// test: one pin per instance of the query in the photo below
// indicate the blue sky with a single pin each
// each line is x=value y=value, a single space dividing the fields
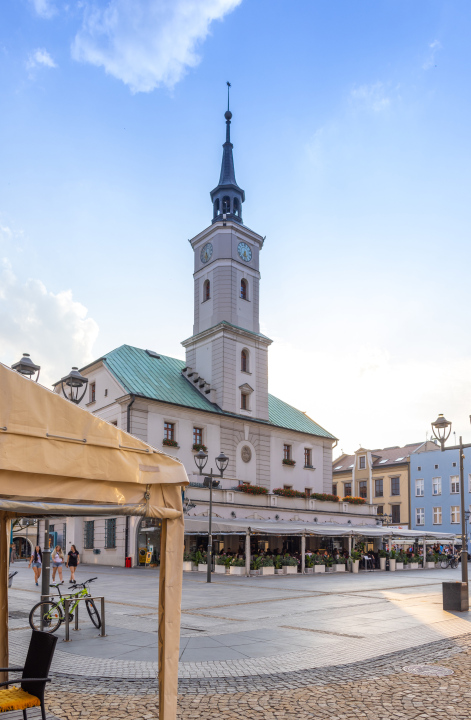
x=351 y=134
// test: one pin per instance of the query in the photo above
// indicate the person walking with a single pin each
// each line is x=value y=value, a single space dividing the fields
x=57 y=562
x=37 y=561
x=73 y=559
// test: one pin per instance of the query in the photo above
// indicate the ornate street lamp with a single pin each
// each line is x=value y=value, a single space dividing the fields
x=75 y=382
x=26 y=367
x=201 y=458
x=442 y=430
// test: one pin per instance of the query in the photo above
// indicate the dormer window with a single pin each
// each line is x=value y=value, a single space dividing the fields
x=362 y=462
x=244 y=289
x=226 y=205
x=206 y=290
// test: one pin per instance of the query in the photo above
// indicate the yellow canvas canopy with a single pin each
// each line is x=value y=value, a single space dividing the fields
x=57 y=459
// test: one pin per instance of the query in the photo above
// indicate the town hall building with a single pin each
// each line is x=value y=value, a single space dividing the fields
x=217 y=399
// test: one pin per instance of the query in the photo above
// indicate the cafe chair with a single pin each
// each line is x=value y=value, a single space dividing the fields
x=34 y=678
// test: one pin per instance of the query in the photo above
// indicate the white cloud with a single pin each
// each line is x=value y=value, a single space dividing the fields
x=372 y=97
x=430 y=62
x=44 y=8
x=53 y=328
x=147 y=43
x=40 y=57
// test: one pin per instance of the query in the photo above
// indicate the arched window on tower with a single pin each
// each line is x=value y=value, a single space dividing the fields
x=236 y=207
x=244 y=361
x=226 y=204
x=206 y=290
x=244 y=289
x=216 y=207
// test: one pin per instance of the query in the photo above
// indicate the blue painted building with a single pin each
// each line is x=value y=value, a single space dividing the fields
x=435 y=490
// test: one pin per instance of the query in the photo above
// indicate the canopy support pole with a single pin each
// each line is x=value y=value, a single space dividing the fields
x=350 y=552
x=247 y=553
x=424 y=552
x=303 y=553
x=4 y=563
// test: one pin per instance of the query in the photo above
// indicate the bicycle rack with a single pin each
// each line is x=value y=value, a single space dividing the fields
x=71 y=601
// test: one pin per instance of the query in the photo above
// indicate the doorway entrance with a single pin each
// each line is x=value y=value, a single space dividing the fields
x=148 y=542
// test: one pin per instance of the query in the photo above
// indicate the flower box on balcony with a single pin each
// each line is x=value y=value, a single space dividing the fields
x=170 y=443
x=198 y=446
x=290 y=463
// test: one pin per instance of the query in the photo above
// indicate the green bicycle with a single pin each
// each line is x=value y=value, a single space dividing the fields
x=52 y=614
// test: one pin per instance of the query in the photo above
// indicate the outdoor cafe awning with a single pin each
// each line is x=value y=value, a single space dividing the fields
x=57 y=459
x=196 y=526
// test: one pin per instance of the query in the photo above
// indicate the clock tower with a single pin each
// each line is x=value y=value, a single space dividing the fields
x=227 y=357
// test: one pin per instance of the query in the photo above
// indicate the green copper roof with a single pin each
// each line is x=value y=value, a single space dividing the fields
x=161 y=379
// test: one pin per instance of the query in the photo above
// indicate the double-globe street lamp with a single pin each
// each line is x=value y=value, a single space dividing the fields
x=442 y=430
x=74 y=381
x=201 y=458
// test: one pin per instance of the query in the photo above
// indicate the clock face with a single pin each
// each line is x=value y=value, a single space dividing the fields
x=245 y=251
x=206 y=253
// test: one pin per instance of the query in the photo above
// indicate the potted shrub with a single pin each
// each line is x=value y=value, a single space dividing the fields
x=277 y=563
x=430 y=561
x=414 y=562
x=188 y=564
x=266 y=566
x=237 y=566
x=400 y=561
x=328 y=562
x=222 y=564
x=383 y=555
x=355 y=558
x=290 y=463
x=255 y=565
x=339 y=564
x=289 y=565
x=319 y=564
x=170 y=443
x=201 y=561
x=199 y=446
x=392 y=560
x=309 y=564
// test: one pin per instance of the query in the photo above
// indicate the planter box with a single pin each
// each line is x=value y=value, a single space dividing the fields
x=414 y=566
x=267 y=570
x=392 y=565
x=355 y=566
x=399 y=566
x=338 y=567
x=203 y=568
x=237 y=570
x=382 y=563
x=255 y=572
x=289 y=569
x=430 y=565
x=279 y=572
x=220 y=569
x=188 y=566
x=309 y=571
x=319 y=568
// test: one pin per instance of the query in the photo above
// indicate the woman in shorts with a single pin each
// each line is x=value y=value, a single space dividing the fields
x=73 y=559
x=37 y=560
x=57 y=562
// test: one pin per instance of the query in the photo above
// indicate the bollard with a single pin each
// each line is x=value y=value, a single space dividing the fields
x=76 y=618
x=103 y=631
x=66 y=610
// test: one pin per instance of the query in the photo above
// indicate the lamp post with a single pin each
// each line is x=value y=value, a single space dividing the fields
x=201 y=458
x=26 y=367
x=75 y=382
x=442 y=430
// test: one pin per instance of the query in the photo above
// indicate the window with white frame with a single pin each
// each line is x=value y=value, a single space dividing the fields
x=437 y=516
x=454 y=485
x=419 y=487
x=420 y=516
x=455 y=513
x=437 y=486
x=362 y=462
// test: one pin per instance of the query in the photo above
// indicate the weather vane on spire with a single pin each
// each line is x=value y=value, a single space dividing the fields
x=228 y=86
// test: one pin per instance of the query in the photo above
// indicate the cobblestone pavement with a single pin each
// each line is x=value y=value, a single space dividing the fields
x=377 y=689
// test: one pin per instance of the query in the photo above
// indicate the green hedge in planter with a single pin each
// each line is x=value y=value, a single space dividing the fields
x=238 y=562
x=252 y=489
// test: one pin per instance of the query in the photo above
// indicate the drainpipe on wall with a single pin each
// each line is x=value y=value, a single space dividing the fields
x=128 y=429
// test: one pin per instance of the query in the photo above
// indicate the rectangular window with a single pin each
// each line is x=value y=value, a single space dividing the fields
x=419 y=488
x=88 y=534
x=395 y=489
x=379 y=510
x=436 y=486
x=92 y=392
x=436 y=467
x=287 y=487
x=110 y=533
x=169 y=431
x=420 y=516
x=308 y=491
x=362 y=462
x=244 y=401
x=197 y=436
x=347 y=488
x=307 y=457
x=334 y=489
x=455 y=514
x=419 y=468
x=286 y=452
x=454 y=464
x=454 y=485
x=379 y=487
x=396 y=514
x=437 y=516
x=362 y=488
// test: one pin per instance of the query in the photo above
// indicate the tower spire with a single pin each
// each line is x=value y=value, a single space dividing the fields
x=227 y=197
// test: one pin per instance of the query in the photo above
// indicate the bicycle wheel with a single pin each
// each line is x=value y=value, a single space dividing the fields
x=51 y=615
x=454 y=564
x=444 y=564
x=93 y=612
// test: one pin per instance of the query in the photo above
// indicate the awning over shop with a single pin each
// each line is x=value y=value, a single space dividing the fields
x=195 y=526
x=57 y=459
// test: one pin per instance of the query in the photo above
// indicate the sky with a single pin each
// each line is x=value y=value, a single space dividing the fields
x=351 y=140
